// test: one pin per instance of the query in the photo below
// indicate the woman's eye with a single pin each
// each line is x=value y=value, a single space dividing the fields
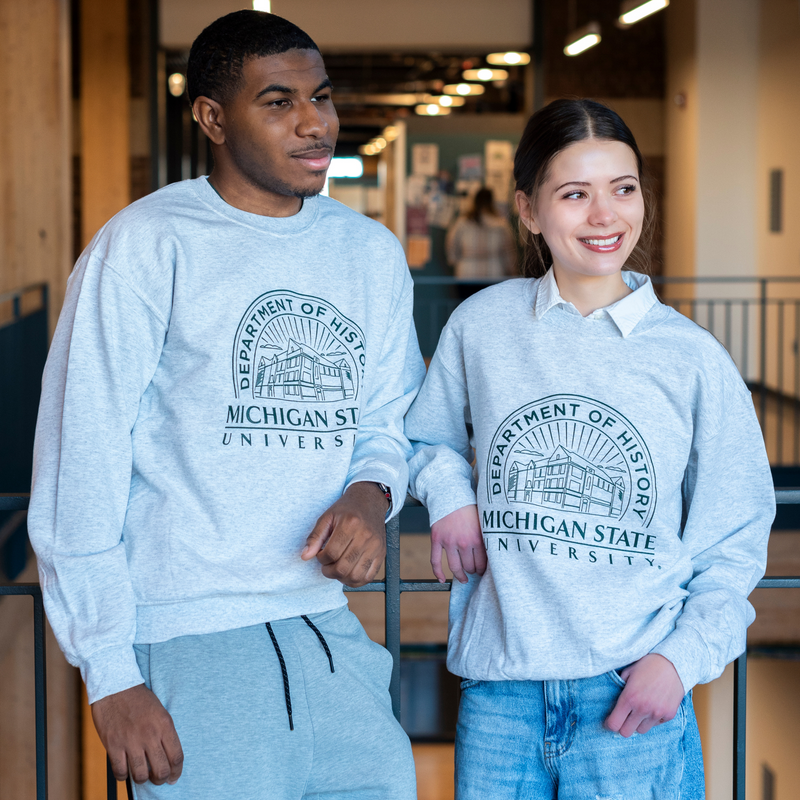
x=573 y=195
x=626 y=189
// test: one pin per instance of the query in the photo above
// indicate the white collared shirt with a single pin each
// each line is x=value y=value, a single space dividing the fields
x=626 y=313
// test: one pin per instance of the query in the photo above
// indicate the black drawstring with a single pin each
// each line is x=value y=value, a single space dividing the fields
x=321 y=639
x=285 y=675
x=284 y=671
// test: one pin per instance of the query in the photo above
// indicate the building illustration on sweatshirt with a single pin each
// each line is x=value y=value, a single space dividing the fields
x=300 y=373
x=574 y=455
x=299 y=349
x=567 y=481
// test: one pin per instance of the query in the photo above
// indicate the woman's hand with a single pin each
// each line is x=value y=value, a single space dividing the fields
x=459 y=535
x=652 y=694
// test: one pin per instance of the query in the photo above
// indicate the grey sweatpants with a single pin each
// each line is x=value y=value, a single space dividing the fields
x=227 y=694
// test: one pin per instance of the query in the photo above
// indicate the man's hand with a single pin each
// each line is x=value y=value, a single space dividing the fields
x=349 y=539
x=139 y=736
x=652 y=694
x=459 y=535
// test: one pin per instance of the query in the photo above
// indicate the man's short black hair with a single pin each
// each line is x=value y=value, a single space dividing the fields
x=219 y=52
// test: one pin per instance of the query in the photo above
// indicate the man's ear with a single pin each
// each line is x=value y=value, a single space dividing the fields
x=525 y=208
x=210 y=116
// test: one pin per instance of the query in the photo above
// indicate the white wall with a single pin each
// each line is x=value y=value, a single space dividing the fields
x=727 y=97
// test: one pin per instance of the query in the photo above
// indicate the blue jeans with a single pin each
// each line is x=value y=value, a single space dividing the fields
x=542 y=740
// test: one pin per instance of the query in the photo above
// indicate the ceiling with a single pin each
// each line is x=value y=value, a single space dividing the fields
x=370 y=26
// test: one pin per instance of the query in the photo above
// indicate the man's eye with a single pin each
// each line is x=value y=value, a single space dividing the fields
x=322 y=98
x=282 y=101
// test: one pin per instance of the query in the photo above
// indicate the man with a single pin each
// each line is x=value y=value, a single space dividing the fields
x=218 y=446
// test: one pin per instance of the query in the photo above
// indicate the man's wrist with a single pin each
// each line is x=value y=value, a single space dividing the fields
x=372 y=489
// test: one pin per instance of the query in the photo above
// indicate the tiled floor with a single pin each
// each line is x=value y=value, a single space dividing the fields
x=434 y=771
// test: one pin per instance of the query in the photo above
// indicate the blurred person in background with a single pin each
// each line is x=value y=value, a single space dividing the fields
x=480 y=245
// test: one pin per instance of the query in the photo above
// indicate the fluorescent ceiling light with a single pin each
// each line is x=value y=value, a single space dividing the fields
x=346 y=167
x=634 y=10
x=511 y=57
x=484 y=74
x=582 y=39
x=448 y=100
x=464 y=88
x=262 y=5
x=432 y=110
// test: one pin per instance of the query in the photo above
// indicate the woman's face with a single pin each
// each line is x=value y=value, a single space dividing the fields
x=590 y=209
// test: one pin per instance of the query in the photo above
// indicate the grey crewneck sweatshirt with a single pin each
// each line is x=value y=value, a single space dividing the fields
x=216 y=380
x=621 y=481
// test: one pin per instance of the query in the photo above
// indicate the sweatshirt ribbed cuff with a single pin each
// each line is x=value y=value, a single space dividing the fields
x=110 y=671
x=688 y=653
x=456 y=497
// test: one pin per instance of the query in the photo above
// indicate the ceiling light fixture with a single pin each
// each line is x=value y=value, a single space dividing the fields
x=262 y=5
x=582 y=39
x=634 y=10
x=512 y=57
x=446 y=100
x=432 y=110
x=464 y=88
x=484 y=74
x=177 y=84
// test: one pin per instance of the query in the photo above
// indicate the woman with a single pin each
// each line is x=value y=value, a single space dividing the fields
x=623 y=493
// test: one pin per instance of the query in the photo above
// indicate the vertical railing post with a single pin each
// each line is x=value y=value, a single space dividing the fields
x=739 y=725
x=111 y=782
x=392 y=599
x=40 y=690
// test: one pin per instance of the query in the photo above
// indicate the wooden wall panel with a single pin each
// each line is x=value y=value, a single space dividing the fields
x=105 y=113
x=35 y=233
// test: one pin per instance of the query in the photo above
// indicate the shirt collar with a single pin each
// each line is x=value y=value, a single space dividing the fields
x=626 y=313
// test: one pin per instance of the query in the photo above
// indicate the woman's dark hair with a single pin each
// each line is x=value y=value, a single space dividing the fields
x=219 y=52
x=549 y=131
x=482 y=203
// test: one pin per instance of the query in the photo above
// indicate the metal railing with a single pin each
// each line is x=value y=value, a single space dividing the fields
x=392 y=586
x=757 y=320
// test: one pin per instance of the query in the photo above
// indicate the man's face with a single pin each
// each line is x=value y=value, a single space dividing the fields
x=281 y=126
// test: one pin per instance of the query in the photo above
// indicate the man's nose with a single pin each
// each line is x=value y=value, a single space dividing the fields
x=312 y=121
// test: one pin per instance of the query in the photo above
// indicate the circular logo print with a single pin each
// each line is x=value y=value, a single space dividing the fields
x=574 y=454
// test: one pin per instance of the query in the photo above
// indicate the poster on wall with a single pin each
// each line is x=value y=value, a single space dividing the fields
x=425 y=160
x=499 y=156
x=418 y=239
x=470 y=167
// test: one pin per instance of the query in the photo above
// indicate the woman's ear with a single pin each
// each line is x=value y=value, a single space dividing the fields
x=525 y=209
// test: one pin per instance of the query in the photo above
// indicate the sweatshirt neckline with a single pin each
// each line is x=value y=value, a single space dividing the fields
x=282 y=226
